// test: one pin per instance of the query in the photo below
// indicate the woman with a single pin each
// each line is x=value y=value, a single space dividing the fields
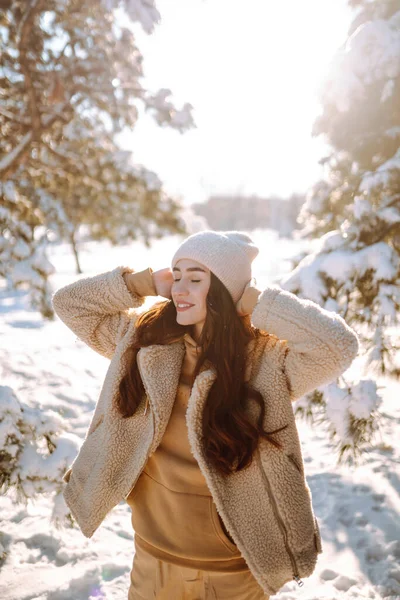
x=194 y=426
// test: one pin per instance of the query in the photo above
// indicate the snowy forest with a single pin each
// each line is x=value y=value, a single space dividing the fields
x=74 y=203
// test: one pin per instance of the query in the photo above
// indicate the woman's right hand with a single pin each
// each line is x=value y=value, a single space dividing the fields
x=163 y=280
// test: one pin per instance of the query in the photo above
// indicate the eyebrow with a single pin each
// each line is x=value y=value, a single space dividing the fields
x=190 y=269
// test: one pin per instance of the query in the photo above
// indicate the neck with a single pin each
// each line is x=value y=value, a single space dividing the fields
x=196 y=331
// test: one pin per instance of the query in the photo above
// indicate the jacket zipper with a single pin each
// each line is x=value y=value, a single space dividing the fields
x=148 y=451
x=282 y=526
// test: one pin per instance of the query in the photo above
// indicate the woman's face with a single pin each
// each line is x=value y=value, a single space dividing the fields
x=190 y=289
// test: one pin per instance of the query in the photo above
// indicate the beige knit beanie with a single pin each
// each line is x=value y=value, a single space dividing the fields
x=228 y=254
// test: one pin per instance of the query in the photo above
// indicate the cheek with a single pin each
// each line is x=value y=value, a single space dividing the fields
x=203 y=298
x=203 y=306
x=202 y=312
x=200 y=297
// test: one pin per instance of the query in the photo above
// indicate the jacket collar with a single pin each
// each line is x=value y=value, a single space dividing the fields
x=160 y=367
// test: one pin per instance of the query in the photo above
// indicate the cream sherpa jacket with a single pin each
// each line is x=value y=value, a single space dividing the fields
x=267 y=507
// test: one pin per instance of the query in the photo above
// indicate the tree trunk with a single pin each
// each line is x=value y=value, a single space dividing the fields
x=75 y=251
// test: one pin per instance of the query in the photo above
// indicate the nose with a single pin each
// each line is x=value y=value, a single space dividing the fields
x=180 y=289
x=180 y=293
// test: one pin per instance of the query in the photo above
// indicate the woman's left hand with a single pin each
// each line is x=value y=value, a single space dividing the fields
x=246 y=303
x=163 y=280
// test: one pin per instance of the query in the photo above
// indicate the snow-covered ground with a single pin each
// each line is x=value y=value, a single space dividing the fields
x=357 y=508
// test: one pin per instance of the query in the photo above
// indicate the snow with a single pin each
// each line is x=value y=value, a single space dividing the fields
x=388 y=90
x=371 y=54
x=8 y=189
x=389 y=214
x=393 y=132
x=337 y=410
x=23 y=431
x=145 y=12
x=56 y=375
x=383 y=174
x=361 y=207
x=340 y=265
x=166 y=113
x=364 y=399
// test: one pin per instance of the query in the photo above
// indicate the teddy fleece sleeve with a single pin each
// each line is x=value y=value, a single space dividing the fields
x=97 y=309
x=318 y=344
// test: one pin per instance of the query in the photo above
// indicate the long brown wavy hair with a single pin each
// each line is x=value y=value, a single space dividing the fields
x=230 y=438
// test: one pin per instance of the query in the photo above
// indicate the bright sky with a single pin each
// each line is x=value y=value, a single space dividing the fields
x=251 y=69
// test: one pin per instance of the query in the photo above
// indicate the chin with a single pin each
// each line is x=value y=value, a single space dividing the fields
x=183 y=320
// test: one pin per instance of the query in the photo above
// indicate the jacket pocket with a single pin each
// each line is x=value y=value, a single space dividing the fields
x=317 y=536
x=67 y=475
x=292 y=458
x=220 y=529
x=99 y=422
x=282 y=525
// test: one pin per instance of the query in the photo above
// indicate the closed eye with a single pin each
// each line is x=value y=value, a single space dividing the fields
x=192 y=280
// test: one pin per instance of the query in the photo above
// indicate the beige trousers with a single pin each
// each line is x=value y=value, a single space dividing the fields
x=156 y=579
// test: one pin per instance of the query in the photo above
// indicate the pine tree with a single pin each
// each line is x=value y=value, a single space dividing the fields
x=35 y=451
x=354 y=213
x=70 y=82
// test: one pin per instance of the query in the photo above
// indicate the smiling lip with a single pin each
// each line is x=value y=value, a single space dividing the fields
x=181 y=308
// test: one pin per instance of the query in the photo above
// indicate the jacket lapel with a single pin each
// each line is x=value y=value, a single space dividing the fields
x=160 y=367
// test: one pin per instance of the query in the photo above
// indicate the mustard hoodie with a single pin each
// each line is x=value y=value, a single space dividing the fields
x=267 y=507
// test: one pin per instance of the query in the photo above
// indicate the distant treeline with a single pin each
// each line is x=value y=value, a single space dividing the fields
x=251 y=212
